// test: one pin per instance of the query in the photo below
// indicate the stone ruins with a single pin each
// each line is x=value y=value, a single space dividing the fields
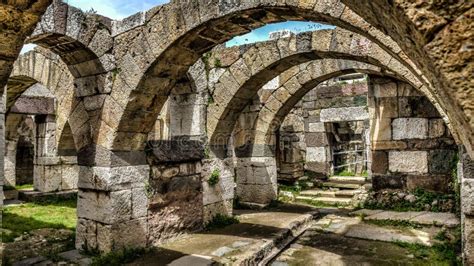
x=138 y=115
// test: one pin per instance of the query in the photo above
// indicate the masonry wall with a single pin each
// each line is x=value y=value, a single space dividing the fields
x=329 y=103
x=411 y=145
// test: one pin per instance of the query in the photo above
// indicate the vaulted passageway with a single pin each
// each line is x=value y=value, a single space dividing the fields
x=112 y=79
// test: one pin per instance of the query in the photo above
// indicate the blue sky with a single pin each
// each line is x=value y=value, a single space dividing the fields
x=119 y=9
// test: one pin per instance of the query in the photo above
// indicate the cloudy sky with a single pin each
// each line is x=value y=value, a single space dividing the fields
x=119 y=9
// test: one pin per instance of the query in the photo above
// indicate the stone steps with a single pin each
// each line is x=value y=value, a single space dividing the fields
x=341 y=185
x=325 y=200
x=349 y=179
x=329 y=193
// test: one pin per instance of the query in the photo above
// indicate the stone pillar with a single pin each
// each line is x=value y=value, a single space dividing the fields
x=3 y=95
x=218 y=195
x=47 y=169
x=112 y=199
x=292 y=147
x=256 y=180
x=466 y=178
x=10 y=162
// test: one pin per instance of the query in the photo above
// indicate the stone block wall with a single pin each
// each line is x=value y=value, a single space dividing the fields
x=411 y=146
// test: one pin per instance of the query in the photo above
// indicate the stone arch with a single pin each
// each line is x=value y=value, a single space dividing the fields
x=241 y=81
x=255 y=151
x=43 y=67
x=190 y=31
x=306 y=78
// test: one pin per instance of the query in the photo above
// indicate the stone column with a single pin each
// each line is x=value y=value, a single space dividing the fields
x=256 y=174
x=3 y=94
x=47 y=169
x=466 y=179
x=112 y=199
x=10 y=162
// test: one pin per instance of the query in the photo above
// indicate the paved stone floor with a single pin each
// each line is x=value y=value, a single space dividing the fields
x=317 y=248
x=255 y=235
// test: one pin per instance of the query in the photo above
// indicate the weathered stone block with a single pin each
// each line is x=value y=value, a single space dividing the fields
x=256 y=170
x=386 y=107
x=224 y=189
x=436 y=128
x=389 y=145
x=468 y=239
x=379 y=162
x=121 y=235
x=382 y=129
x=316 y=127
x=69 y=177
x=467 y=196
x=408 y=161
x=139 y=202
x=317 y=168
x=441 y=161
x=316 y=139
x=316 y=154
x=436 y=183
x=257 y=193
x=221 y=207
x=113 y=178
x=344 y=114
x=380 y=182
x=47 y=178
x=86 y=234
x=179 y=150
x=410 y=128
x=105 y=207
x=385 y=90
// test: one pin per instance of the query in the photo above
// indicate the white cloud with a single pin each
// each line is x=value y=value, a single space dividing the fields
x=116 y=9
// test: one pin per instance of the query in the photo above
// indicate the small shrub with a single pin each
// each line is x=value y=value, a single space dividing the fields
x=220 y=221
x=217 y=62
x=7 y=187
x=214 y=178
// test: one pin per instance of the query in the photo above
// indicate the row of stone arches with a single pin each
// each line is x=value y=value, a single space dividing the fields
x=124 y=71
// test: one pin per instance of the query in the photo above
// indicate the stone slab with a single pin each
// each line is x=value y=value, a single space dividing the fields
x=395 y=216
x=439 y=219
x=372 y=232
x=195 y=260
x=344 y=114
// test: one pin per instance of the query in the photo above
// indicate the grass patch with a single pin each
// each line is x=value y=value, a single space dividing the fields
x=344 y=173
x=220 y=221
x=438 y=254
x=24 y=186
x=120 y=257
x=53 y=213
